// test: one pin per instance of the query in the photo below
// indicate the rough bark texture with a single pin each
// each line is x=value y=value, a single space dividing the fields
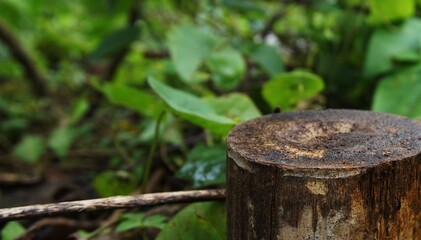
x=144 y=200
x=333 y=174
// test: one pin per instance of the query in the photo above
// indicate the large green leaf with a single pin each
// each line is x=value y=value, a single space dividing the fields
x=204 y=221
x=115 y=41
x=287 y=89
x=237 y=106
x=268 y=57
x=30 y=148
x=205 y=166
x=189 y=46
x=133 y=98
x=386 y=43
x=192 y=108
x=227 y=67
x=400 y=93
x=384 y=11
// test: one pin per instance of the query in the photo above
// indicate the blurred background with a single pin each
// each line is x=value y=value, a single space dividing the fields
x=104 y=97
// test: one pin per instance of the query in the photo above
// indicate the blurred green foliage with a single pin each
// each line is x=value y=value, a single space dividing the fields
x=12 y=230
x=112 y=68
x=197 y=221
x=139 y=220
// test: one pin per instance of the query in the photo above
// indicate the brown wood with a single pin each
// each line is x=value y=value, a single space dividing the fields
x=332 y=174
x=117 y=202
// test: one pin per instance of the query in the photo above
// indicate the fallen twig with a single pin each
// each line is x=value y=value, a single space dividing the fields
x=118 y=202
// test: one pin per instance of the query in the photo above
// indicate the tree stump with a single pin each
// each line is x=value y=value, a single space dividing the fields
x=331 y=174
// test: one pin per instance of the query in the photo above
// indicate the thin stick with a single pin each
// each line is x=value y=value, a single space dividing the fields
x=118 y=202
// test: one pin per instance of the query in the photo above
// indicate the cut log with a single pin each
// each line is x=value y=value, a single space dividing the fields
x=331 y=174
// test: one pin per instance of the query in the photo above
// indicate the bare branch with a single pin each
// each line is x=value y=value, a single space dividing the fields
x=118 y=202
x=37 y=80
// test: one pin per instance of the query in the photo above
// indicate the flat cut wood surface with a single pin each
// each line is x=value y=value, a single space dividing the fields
x=329 y=139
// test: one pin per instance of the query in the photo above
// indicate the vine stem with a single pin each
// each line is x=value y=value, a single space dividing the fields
x=152 y=150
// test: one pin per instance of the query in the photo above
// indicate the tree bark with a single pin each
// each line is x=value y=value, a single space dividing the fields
x=333 y=174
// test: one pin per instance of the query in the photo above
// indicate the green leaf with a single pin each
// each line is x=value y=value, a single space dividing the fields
x=155 y=221
x=189 y=45
x=110 y=183
x=384 y=11
x=80 y=107
x=244 y=5
x=389 y=42
x=133 y=98
x=205 y=166
x=204 y=221
x=400 y=93
x=116 y=41
x=192 y=108
x=13 y=124
x=61 y=139
x=407 y=57
x=227 y=67
x=287 y=89
x=237 y=106
x=30 y=148
x=138 y=220
x=12 y=230
x=269 y=58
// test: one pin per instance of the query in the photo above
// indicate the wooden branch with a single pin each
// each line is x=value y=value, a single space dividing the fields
x=117 y=202
x=37 y=80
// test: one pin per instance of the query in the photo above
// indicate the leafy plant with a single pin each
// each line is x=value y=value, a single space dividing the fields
x=12 y=230
x=61 y=139
x=132 y=98
x=287 y=89
x=405 y=86
x=227 y=67
x=389 y=44
x=30 y=148
x=189 y=46
x=145 y=92
x=111 y=183
x=205 y=166
x=192 y=108
x=197 y=221
x=139 y=220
